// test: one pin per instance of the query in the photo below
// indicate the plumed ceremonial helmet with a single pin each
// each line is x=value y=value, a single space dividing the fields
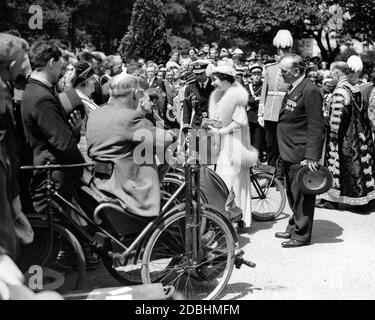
x=355 y=63
x=283 y=39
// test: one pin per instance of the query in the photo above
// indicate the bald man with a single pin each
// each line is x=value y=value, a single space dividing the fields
x=300 y=137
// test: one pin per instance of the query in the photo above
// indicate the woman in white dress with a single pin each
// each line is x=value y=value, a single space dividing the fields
x=228 y=106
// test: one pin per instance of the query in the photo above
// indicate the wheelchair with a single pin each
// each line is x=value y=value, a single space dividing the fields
x=191 y=246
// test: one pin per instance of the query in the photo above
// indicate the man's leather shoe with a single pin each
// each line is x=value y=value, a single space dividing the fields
x=326 y=205
x=283 y=235
x=292 y=243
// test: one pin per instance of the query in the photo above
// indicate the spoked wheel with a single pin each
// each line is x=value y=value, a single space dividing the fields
x=128 y=272
x=165 y=259
x=53 y=272
x=168 y=187
x=268 y=206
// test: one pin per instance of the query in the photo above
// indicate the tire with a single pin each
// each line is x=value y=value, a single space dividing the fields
x=53 y=277
x=168 y=187
x=273 y=204
x=212 y=273
x=128 y=273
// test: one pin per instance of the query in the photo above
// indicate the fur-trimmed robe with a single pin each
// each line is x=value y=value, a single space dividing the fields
x=350 y=148
x=236 y=154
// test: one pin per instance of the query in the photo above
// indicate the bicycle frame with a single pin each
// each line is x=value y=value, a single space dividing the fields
x=258 y=189
x=53 y=198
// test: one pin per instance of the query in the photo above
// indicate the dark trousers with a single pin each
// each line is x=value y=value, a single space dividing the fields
x=66 y=181
x=258 y=137
x=270 y=128
x=302 y=205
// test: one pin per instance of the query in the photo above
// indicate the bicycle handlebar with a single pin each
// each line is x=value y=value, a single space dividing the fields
x=57 y=166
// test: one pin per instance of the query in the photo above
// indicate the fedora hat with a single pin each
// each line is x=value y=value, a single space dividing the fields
x=71 y=101
x=314 y=182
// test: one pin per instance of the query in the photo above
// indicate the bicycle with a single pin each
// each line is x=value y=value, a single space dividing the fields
x=268 y=196
x=195 y=248
x=127 y=239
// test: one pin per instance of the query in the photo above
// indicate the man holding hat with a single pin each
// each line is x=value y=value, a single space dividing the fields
x=300 y=136
x=197 y=95
x=254 y=88
x=273 y=93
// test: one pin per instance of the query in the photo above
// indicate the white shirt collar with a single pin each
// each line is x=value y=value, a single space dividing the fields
x=296 y=83
x=204 y=83
x=41 y=79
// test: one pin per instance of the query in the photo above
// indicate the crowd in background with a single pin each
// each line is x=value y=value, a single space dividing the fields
x=89 y=74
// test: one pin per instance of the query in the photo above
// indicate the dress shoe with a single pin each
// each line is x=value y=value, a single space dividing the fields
x=326 y=205
x=292 y=243
x=283 y=235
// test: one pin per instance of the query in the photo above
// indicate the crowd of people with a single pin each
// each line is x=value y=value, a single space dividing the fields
x=66 y=108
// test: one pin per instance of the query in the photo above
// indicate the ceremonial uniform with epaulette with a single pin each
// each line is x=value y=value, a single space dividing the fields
x=273 y=92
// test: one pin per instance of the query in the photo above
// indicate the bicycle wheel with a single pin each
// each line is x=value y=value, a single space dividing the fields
x=52 y=275
x=166 y=261
x=127 y=273
x=268 y=206
x=168 y=187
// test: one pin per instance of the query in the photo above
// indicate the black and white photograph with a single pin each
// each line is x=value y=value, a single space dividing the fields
x=176 y=151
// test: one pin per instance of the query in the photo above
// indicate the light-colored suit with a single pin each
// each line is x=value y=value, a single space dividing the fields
x=110 y=134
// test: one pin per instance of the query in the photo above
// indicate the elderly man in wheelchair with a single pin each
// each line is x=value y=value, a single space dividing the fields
x=124 y=146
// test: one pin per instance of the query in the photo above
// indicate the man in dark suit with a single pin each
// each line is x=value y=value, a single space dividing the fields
x=197 y=95
x=254 y=87
x=300 y=136
x=157 y=91
x=52 y=135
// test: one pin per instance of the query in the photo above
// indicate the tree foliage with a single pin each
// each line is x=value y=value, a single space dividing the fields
x=146 y=36
x=77 y=22
x=260 y=19
x=185 y=21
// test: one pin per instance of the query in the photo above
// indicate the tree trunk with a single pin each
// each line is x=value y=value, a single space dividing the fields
x=318 y=39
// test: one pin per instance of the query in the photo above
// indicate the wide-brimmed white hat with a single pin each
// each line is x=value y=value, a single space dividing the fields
x=223 y=69
x=237 y=51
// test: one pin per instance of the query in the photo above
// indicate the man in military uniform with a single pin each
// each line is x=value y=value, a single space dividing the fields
x=197 y=95
x=273 y=92
x=254 y=87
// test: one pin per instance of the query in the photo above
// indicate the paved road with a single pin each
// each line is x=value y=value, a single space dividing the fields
x=339 y=264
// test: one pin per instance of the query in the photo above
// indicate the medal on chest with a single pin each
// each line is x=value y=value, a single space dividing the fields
x=290 y=105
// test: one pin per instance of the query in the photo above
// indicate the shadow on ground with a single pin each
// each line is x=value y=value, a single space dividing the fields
x=326 y=232
x=364 y=210
x=243 y=234
x=265 y=225
x=238 y=290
